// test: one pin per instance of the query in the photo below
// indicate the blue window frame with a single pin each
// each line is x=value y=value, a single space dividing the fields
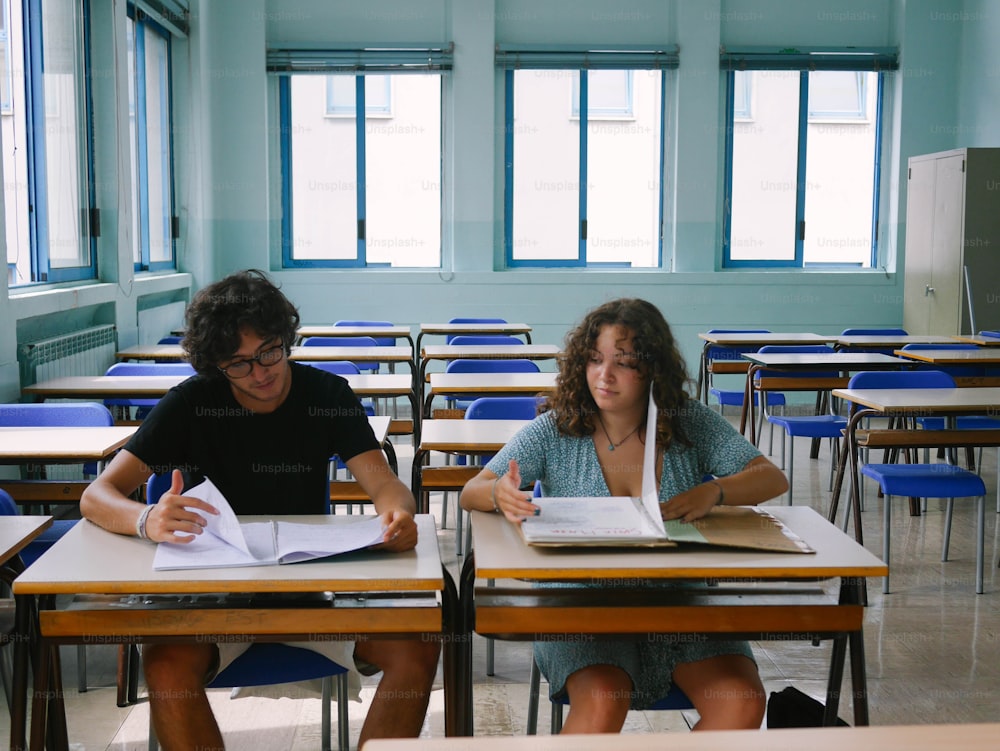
x=583 y=183
x=803 y=170
x=360 y=145
x=154 y=226
x=52 y=225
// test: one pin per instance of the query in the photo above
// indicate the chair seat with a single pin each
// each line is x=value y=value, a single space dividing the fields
x=926 y=480
x=973 y=422
x=811 y=426
x=256 y=666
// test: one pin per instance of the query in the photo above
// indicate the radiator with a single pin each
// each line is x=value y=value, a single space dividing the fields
x=85 y=352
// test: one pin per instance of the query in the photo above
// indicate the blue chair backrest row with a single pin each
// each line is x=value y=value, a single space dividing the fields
x=381 y=341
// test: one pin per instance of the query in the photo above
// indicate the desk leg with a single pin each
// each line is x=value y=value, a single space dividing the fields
x=859 y=678
x=416 y=481
x=463 y=645
x=24 y=636
x=835 y=680
x=455 y=703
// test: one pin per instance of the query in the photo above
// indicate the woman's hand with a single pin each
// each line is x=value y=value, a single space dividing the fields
x=508 y=497
x=692 y=504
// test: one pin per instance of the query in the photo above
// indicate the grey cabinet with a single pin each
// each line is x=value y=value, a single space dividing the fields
x=952 y=266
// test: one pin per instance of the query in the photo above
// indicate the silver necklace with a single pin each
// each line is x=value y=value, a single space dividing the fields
x=612 y=445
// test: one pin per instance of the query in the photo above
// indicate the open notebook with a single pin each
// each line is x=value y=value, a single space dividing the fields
x=622 y=521
x=226 y=542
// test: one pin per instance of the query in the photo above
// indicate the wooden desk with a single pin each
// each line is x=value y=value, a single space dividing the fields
x=471 y=437
x=744 y=339
x=889 y=341
x=61 y=445
x=982 y=341
x=120 y=599
x=15 y=534
x=758 y=595
x=471 y=385
x=908 y=403
x=984 y=356
x=462 y=329
x=971 y=737
x=379 y=332
x=842 y=362
x=152 y=352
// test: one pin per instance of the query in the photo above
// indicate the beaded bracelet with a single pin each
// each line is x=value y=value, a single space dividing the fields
x=722 y=493
x=140 y=523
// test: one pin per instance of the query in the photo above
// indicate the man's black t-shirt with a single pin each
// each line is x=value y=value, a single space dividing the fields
x=273 y=463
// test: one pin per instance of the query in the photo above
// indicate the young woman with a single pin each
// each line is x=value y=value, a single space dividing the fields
x=590 y=442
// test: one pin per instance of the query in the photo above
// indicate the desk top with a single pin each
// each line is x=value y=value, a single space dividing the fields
x=152 y=352
x=17 y=531
x=472 y=436
x=106 y=563
x=497 y=383
x=396 y=332
x=982 y=341
x=354 y=354
x=892 y=340
x=985 y=356
x=490 y=352
x=500 y=553
x=475 y=328
x=833 y=360
x=971 y=737
x=925 y=401
x=768 y=338
x=18 y=445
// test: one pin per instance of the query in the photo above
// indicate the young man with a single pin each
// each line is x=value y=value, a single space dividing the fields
x=263 y=430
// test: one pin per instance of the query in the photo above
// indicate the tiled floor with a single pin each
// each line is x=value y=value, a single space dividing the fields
x=931 y=647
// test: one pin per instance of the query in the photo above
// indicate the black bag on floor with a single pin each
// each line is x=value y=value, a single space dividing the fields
x=790 y=708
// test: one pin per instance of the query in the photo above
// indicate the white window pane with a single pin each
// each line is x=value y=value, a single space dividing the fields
x=742 y=94
x=609 y=93
x=840 y=187
x=623 y=179
x=546 y=210
x=402 y=175
x=64 y=145
x=157 y=149
x=324 y=174
x=838 y=94
x=764 y=171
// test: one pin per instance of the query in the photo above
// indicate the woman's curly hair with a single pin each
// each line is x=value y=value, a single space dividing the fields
x=659 y=361
x=220 y=311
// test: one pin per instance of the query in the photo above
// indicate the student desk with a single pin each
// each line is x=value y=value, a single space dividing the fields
x=475 y=329
x=15 y=533
x=378 y=332
x=982 y=341
x=471 y=385
x=758 y=595
x=910 y=403
x=743 y=339
x=889 y=341
x=983 y=356
x=61 y=445
x=472 y=437
x=121 y=599
x=842 y=362
x=164 y=352
x=971 y=737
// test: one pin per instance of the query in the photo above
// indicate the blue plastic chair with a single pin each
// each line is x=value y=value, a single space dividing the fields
x=266 y=663
x=345 y=341
x=449 y=337
x=827 y=425
x=923 y=480
x=516 y=365
x=381 y=341
x=955 y=371
x=172 y=339
x=990 y=333
x=143 y=406
x=871 y=332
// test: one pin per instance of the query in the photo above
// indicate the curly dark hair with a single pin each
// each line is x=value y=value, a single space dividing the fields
x=659 y=361
x=217 y=314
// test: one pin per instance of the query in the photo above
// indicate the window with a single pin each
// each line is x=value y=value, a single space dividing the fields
x=361 y=157
x=584 y=143
x=803 y=159
x=47 y=159
x=153 y=223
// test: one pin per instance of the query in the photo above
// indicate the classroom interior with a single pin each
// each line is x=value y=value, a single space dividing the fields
x=929 y=644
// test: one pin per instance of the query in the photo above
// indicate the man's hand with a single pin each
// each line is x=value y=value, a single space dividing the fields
x=400 y=531
x=174 y=517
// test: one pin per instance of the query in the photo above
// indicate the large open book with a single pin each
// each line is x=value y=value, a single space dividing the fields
x=225 y=542
x=623 y=521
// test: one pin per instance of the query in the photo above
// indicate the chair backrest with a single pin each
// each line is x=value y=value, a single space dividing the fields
x=485 y=339
x=901 y=379
x=339 y=341
x=381 y=341
x=990 y=333
x=48 y=414
x=504 y=408
x=449 y=337
x=515 y=365
x=931 y=345
x=172 y=339
x=338 y=367
x=7 y=505
x=149 y=369
x=874 y=332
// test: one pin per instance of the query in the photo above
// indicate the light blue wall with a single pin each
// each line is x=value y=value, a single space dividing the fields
x=946 y=96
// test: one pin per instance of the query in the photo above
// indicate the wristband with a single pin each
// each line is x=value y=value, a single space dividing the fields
x=493 y=496
x=140 y=523
x=722 y=493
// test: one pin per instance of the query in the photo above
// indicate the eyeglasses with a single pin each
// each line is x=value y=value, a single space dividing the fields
x=267 y=358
